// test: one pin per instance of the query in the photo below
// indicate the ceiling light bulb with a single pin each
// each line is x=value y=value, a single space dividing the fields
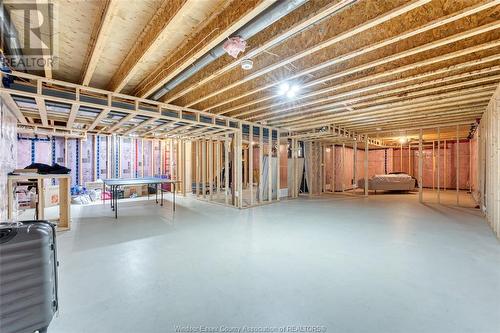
x=403 y=140
x=290 y=94
x=284 y=87
x=294 y=88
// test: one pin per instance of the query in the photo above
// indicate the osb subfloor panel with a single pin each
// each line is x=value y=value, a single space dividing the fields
x=347 y=264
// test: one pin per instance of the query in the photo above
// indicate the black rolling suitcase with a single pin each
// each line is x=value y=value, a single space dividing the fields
x=28 y=276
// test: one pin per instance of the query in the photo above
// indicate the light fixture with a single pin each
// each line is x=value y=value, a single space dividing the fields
x=284 y=87
x=403 y=140
x=378 y=129
x=289 y=91
x=247 y=64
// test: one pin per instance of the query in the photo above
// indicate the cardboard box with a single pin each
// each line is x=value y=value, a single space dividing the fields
x=51 y=195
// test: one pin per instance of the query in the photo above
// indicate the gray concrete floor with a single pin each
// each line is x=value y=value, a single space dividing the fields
x=346 y=264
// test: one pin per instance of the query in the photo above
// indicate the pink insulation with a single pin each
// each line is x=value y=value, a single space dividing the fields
x=447 y=165
x=126 y=157
x=156 y=158
x=8 y=151
x=234 y=45
x=147 y=157
x=43 y=152
x=72 y=160
x=283 y=165
x=23 y=153
x=60 y=151
x=138 y=161
x=474 y=155
x=103 y=157
x=87 y=160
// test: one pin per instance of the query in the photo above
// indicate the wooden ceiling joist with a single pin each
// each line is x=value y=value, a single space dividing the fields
x=326 y=11
x=121 y=122
x=400 y=116
x=376 y=118
x=98 y=39
x=147 y=40
x=81 y=97
x=219 y=28
x=357 y=69
x=159 y=128
x=402 y=69
x=278 y=114
x=328 y=112
x=392 y=58
x=435 y=121
x=381 y=110
x=397 y=132
x=299 y=55
x=40 y=103
x=12 y=105
x=139 y=126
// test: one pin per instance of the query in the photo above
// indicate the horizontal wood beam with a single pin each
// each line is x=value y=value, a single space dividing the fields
x=380 y=110
x=98 y=38
x=12 y=105
x=229 y=20
x=329 y=42
x=324 y=12
x=289 y=116
x=344 y=57
x=147 y=41
x=388 y=59
x=139 y=126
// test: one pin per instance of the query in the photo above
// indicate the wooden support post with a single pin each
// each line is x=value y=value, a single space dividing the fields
x=401 y=159
x=420 y=168
x=94 y=153
x=470 y=166
x=433 y=166
x=409 y=159
x=445 y=158
x=270 y=166
x=458 y=167
x=162 y=157
x=152 y=157
x=355 y=166
x=278 y=166
x=66 y=164
x=439 y=165
x=261 y=160
x=334 y=169
x=226 y=169
x=366 y=165
x=185 y=181
x=293 y=185
x=203 y=167
x=171 y=160
x=210 y=153
x=109 y=164
x=238 y=162
x=343 y=167
x=217 y=168
x=80 y=173
x=322 y=170
x=142 y=157
x=245 y=166
x=250 y=162
x=197 y=167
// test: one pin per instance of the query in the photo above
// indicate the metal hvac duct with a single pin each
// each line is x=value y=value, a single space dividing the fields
x=11 y=42
x=268 y=17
